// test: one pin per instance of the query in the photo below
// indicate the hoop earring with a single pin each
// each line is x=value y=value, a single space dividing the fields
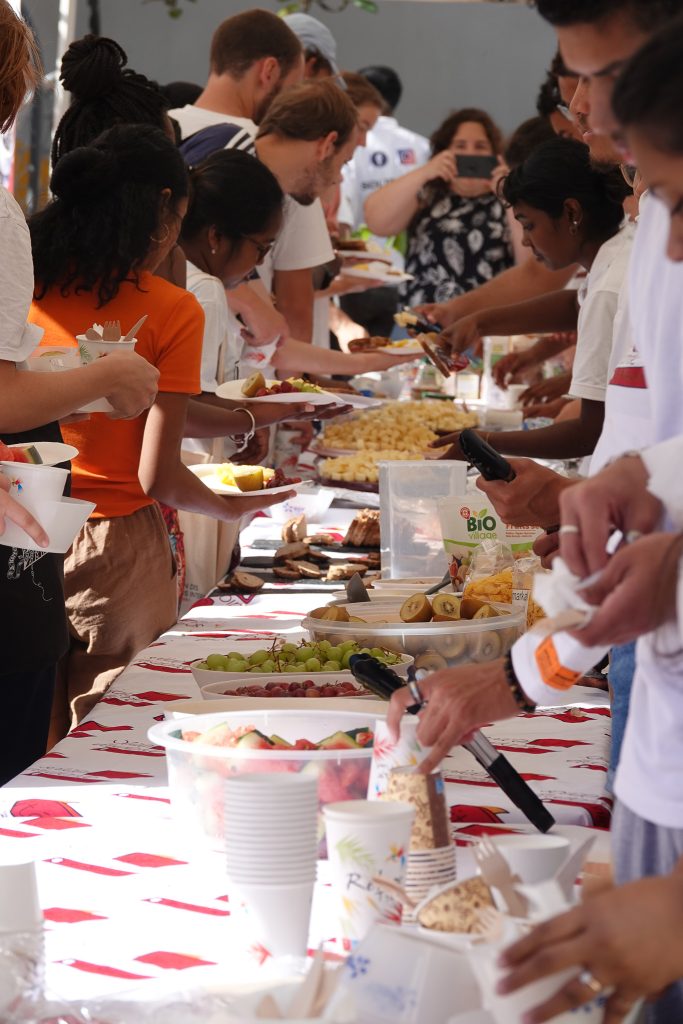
x=160 y=241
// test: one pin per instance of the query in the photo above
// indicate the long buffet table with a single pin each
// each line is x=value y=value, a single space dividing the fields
x=124 y=904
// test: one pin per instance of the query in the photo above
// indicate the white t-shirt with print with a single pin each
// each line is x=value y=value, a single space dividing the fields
x=17 y=338
x=598 y=298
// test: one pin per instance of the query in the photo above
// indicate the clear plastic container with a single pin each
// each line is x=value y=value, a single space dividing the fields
x=196 y=771
x=433 y=644
x=410 y=527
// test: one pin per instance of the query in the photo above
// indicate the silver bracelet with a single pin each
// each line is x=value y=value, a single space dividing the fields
x=246 y=438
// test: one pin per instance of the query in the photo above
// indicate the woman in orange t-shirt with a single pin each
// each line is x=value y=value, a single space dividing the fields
x=117 y=213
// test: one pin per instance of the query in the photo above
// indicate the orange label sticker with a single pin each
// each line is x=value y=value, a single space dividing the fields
x=553 y=673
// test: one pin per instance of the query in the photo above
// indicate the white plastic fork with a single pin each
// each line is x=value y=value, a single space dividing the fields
x=496 y=872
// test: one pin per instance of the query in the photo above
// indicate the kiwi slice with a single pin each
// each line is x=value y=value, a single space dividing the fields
x=331 y=613
x=253 y=384
x=430 y=661
x=485 y=647
x=451 y=647
x=485 y=612
x=445 y=607
x=416 y=609
x=469 y=606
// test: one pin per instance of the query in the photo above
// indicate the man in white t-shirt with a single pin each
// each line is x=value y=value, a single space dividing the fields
x=255 y=57
x=390 y=152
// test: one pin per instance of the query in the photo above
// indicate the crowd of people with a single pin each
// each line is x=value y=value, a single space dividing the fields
x=216 y=211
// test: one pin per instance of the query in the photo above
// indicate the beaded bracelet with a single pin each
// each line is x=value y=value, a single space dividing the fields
x=518 y=694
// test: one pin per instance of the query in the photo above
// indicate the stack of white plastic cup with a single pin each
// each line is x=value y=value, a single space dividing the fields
x=271 y=851
x=21 y=934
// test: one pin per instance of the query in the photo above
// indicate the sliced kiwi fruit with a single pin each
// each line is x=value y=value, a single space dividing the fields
x=451 y=647
x=487 y=611
x=416 y=609
x=446 y=607
x=469 y=606
x=485 y=647
x=430 y=661
x=331 y=613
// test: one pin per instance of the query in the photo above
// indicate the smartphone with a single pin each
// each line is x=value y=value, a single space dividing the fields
x=483 y=457
x=475 y=166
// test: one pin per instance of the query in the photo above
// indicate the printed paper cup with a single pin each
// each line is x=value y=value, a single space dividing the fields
x=426 y=793
x=366 y=839
x=61 y=520
x=92 y=350
x=275 y=918
x=32 y=485
x=388 y=753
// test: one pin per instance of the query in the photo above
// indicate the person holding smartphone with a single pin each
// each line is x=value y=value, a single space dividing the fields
x=458 y=230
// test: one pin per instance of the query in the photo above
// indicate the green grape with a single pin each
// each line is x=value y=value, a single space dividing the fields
x=288 y=648
x=332 y=666
x=237 y=665
x=304 y=653
x=202 y=665
x=346 y=659
x=335 y=653
x=258 y=657
x=348 y=645
x=377 y=652
x=268 y=666
x=293 y=666
x=313 y=665
x=217 y=662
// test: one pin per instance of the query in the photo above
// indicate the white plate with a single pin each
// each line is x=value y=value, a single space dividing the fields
x=51 y=452
x=364 y=257
x=232 y=390
x=402 y=350
x=377 y=271
x=208 y=470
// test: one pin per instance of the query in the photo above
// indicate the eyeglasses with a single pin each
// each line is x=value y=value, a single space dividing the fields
x=263 y=248
x=628 y=173
x=565 y=111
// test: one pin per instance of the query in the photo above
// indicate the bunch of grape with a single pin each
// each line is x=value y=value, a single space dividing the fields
x=289 y=657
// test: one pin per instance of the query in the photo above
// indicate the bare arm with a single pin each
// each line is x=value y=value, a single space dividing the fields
x=292 y=357
x=210 y=416
x=253 y=303
x=294 y=297
x=556 y=311
x=31 y=399
x=164 y=477
x=527 y=280
x=391 y=208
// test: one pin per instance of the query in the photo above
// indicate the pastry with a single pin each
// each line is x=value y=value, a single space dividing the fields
x=364 y=530
x=295 y=529
x=296 y=550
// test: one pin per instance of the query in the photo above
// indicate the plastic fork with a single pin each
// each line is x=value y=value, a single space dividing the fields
x=491 y=924
x=496 y=872
x=566 y=875
x=111 y=330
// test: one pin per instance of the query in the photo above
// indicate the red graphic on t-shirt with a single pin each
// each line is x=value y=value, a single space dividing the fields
x=629 y=377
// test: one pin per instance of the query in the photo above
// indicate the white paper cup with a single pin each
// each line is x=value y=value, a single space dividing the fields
x=19 y=906
x=54 y=358
x=510 y=1009
x=92 y=350
x=276 y=917
x=513 y=395
x=61 y=520
x=387 y=753
x=33 y=485
x=534 y=858
x=366 y=839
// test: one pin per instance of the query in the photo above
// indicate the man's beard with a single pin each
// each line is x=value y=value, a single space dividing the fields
x=262 y=108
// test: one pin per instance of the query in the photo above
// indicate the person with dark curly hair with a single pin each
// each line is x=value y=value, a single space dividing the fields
x=117 y=209
x=458 y=232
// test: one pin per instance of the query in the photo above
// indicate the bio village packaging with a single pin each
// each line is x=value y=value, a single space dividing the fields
x=467 y=521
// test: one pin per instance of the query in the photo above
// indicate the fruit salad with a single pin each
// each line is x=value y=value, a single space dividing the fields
x=250 y=738
x=257 y=386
